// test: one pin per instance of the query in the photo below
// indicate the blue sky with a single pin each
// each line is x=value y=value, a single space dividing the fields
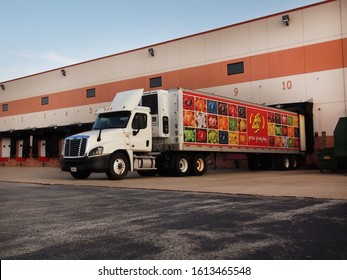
x=39 y=35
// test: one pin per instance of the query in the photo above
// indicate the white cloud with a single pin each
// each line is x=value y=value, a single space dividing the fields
x=54 y=57
x=20 y=63
x=22 y=54
x=47 y=56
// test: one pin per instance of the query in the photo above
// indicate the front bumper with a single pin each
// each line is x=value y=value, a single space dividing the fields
x=94 y=164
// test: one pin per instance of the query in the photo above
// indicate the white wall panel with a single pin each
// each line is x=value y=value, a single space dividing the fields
x=32 y=86
x=326 y=86
x=343 y=10
x=288 y=89
x=192 y=50
x=241 y=91
x=322 y=21
x=280 y=35
x=86 y=74
x=326 y=116
x=258 y=36
x=261 y=92
x=235 y=41
x=136 y=62
x=173 y=55
x=117 y=67
x=58 y=117
x=157 y=62
x=212 y=46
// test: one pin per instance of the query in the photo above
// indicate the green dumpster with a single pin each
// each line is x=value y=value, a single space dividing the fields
x=340 y=142
x=327 y=160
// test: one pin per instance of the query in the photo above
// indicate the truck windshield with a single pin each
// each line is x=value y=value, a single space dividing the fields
x=112 y=120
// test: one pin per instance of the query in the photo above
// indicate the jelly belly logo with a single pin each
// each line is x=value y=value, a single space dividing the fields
x=257 y=127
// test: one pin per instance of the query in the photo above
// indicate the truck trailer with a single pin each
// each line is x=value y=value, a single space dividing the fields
x=174 y=132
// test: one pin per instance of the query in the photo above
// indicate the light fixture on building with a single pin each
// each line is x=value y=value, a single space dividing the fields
x=151 y=51
x=285 y=19
x=2 y=86
x=63 y=72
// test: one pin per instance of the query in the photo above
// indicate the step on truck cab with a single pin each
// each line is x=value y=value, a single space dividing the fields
x=172 y=132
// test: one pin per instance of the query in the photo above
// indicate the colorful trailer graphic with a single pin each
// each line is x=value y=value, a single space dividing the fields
x=216 y=121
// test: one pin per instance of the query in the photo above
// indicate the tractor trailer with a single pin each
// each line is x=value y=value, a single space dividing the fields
x=173 y=132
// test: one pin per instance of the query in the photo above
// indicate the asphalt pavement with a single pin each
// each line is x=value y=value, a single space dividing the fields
x=84 y=222
x=225 y=214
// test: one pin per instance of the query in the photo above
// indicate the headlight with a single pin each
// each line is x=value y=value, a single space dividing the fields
x=96 y=151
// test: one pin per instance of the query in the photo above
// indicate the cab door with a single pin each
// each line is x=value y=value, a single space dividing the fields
x=141 y=132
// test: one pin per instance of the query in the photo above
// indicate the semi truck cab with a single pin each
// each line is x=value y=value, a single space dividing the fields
x=119 y=132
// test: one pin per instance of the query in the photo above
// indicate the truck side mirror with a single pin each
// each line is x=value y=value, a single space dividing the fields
x=139 y=122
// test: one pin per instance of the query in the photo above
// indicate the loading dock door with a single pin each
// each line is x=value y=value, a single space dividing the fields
x=20 y=149
x=42 y=148
x=6 y=148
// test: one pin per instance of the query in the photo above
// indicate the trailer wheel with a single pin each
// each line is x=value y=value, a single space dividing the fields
x=283 y=162
x=293 y=163
x=181 y=165
x=118 y=166
x=81 y=174
x=198 y=165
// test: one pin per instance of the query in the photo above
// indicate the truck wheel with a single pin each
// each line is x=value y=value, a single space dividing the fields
x=283 y=162
x=81 y=174
x=293 y=162
x=198 y=165
x=181 y=165
x=118 y=166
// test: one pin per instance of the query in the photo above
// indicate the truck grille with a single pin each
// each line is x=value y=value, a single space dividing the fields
x=75 y=147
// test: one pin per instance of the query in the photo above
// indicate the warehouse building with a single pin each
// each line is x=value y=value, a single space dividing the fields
x=297 y=57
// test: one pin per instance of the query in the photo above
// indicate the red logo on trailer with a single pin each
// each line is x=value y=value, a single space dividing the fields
x=257 y=127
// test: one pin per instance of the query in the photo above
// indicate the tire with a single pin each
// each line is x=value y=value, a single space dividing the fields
x=293 y=163
x=198 y=165
x=118 y=166
x=181 y=166
x=81 y=174
x=283 y=162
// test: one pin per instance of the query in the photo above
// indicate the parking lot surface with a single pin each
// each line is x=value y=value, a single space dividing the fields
x=83 y=222
x=226 y=214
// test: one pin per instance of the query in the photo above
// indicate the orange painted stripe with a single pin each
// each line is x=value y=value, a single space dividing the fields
x=306 y=59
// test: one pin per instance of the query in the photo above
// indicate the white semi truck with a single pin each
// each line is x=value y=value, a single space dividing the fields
x=174 y=131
